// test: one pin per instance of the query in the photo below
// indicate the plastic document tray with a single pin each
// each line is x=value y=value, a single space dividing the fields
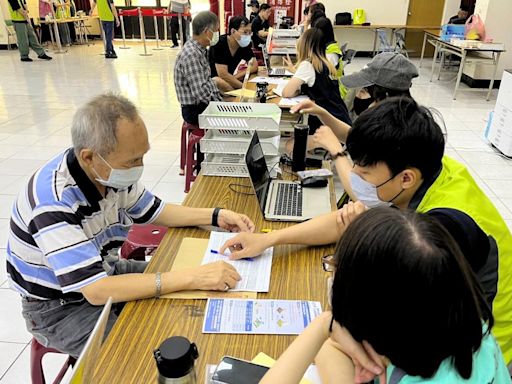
x=218 y=142
x=229 y=165
x=246 y=116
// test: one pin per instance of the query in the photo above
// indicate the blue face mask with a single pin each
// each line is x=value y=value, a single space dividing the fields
x=244 y=41
x=120 y=178
x=366 y=192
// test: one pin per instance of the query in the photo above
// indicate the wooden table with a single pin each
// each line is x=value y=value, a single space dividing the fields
x=376 y=27
x=476 y=55
x=127 y=355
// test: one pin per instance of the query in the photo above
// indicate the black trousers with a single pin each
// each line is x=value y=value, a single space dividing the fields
x=174 y=26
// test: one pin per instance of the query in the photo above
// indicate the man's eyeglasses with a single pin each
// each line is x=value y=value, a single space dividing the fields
x=329 y=263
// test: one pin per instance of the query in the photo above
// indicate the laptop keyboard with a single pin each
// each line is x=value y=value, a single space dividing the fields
x=289 y=200
x=279 y=71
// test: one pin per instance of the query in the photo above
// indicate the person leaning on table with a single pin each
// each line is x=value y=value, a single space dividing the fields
x=75 y=212
x=397 y=150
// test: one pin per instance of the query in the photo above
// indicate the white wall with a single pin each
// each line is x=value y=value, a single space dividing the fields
x=377 y=11
x=451 y=7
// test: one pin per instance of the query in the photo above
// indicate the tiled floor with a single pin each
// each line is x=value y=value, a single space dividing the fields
x=37 y=102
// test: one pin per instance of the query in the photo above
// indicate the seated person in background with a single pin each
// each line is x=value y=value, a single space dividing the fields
x=316 y=77
x=194 y=86
x=397 y=149
x=461 y=16
x=315 y=11
x=332 y=50
x=434 y=324
x=73 y=215
x=255 y=7
x=260 y=26
x=231 y=49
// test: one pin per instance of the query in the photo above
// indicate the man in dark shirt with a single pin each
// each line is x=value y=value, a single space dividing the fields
x=255 y=7
x=260 y=26
x=231 y=49
x=461 y=16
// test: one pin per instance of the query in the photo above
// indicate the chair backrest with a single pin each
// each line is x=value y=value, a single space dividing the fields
x=86 y=363
x=385 y=45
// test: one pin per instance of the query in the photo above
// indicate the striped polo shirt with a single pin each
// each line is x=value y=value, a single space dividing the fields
x=62 y=229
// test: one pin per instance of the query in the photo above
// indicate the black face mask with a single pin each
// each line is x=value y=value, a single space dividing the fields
x=361 y=105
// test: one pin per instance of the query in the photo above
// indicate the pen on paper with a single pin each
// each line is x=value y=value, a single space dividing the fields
x=223 y=254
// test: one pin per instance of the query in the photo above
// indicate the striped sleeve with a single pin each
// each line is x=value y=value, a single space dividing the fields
x=72 y=256
x=142 y=206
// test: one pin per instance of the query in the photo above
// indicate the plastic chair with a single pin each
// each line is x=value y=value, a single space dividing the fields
x=142 y=241
x=186 y=129
x=192 y=162
x=37 y=351
x=348 y=55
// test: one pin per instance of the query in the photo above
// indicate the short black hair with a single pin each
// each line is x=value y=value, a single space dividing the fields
x=403 y=285
x=264 y=7
x=399 y=133
x=380 y=93
x=317 y=14
x=317 y=7
x=325 y=25
x=306 y=10
x=236 y=22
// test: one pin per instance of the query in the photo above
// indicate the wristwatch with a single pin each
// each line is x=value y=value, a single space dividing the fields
x=342 y=153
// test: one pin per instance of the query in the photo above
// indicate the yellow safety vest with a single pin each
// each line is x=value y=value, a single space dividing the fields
x=17 y=15
x=455 y=188
x=333 y=48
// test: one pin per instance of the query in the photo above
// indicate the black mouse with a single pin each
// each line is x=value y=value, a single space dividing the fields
x=314 y=182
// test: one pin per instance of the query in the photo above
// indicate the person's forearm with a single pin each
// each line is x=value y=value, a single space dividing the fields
x=180 y=216
x=231 y=80
x=333 y=365
x=293 y=363
x=343 y=168
x=114 y=12
x=339 y=127
x=134 y=286
x=320 y=230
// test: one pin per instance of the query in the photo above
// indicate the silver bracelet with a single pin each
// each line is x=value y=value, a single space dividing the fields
x=158 y=282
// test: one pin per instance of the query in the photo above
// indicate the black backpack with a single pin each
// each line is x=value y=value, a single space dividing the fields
x=343 y=18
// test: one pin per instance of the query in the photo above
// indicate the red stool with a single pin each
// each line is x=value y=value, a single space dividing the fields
x=37 y=351
x=193 y=140
x=186 y=129
x=142 y=241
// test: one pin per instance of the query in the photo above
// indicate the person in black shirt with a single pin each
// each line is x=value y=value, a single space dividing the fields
x=461 y=16
x=260 y=26
x=255 y=8
x=231 y=49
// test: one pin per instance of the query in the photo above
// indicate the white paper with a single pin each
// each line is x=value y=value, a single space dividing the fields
x=264 y=317
x=291 y=101
x=269 y=80
x=255 y=272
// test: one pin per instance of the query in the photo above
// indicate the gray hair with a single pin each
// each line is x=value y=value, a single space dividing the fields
x=203 y=21
x=94 y=124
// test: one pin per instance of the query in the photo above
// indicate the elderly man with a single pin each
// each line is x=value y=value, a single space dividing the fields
x=192 y=77
x=74 y=213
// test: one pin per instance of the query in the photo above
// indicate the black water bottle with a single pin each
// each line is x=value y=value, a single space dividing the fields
x=175 y=360
x=261 y=92
x=301 y=132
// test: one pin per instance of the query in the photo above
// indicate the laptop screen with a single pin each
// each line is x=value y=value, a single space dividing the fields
x=257 y=167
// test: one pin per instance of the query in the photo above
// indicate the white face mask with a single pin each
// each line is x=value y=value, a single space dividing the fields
x=215 y=38
x=120 y=178
x=366 y=192
x=244 y=41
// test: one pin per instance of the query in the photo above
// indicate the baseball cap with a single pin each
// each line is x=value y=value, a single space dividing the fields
x=253 y=3
x=388 y=69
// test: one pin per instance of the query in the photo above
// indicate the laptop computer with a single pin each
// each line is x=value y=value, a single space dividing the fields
x=281 y=200
x=83 y=369
x=274 y=72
